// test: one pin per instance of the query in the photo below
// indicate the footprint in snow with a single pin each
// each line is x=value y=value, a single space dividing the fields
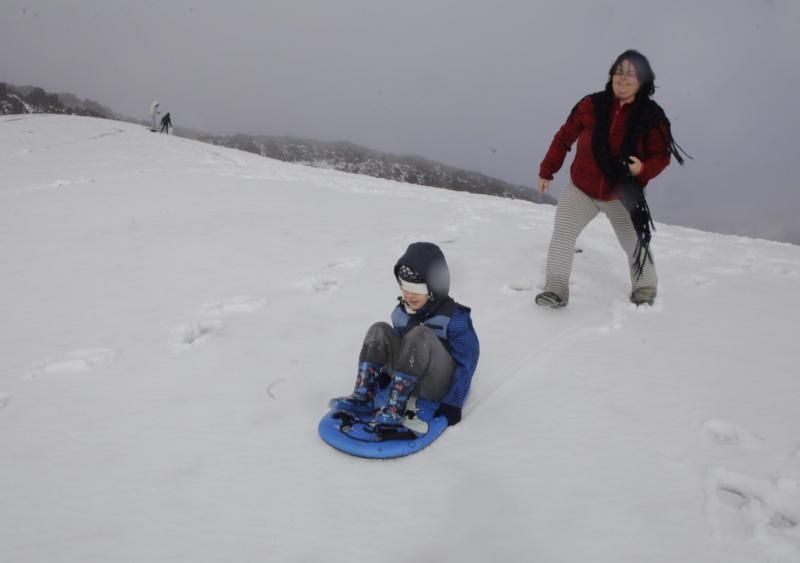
x=76 y=361
x=233 y=306
x=5 y=398
x=317 y=284
x=194 y=333
x=739 y=504
x=726 y=433
x=621 y=311
x=209 y=325
x=518 y=286
x=348 y=263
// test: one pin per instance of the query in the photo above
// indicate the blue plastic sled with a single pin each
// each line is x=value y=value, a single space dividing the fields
x=353 y=435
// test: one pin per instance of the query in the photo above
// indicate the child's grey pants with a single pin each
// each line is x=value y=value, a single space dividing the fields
x=574 y=211
x=419 y=353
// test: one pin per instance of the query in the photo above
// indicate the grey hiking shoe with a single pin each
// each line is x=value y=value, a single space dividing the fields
x=643 y=296
x=550 y=299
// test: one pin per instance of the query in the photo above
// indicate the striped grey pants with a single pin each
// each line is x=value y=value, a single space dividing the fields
x=574 y=211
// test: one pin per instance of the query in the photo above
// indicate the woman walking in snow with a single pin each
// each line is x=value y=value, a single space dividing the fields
x=624 y=141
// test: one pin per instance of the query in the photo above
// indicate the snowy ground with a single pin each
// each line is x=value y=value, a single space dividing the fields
x=175 y=316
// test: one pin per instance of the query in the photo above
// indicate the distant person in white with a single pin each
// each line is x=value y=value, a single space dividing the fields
x=154 y=113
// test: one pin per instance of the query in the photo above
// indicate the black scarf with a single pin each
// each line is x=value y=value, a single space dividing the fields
x=631 y=195
x=645 y=115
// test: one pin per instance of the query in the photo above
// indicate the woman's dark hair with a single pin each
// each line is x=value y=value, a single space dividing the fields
x=645 y=114
x=644 y=72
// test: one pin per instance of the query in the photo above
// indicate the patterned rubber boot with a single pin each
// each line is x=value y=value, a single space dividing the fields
x=361 y=400
x=394 y=412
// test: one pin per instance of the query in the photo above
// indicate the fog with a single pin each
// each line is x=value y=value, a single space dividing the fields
x=482 y=86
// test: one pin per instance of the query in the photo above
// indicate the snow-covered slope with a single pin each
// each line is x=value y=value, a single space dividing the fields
x=175 y=316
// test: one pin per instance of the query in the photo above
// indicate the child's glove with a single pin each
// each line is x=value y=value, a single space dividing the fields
x=451 y=413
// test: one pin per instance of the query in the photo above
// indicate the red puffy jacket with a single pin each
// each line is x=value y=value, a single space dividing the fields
x=651 y=149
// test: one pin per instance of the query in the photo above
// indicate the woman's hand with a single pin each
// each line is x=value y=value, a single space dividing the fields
x=544 y=185
x=634 y=165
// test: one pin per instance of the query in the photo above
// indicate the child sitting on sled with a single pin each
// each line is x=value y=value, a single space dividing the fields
x=430 y=350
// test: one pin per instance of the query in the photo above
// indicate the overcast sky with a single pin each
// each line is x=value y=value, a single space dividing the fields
x=479 y=85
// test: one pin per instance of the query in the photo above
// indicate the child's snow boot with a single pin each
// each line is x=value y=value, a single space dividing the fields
x=395 y=410
x=360 y=401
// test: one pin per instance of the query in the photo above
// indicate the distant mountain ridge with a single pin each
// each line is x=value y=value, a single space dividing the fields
x=31 y=99
x=343 y=156
x=349 y=157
